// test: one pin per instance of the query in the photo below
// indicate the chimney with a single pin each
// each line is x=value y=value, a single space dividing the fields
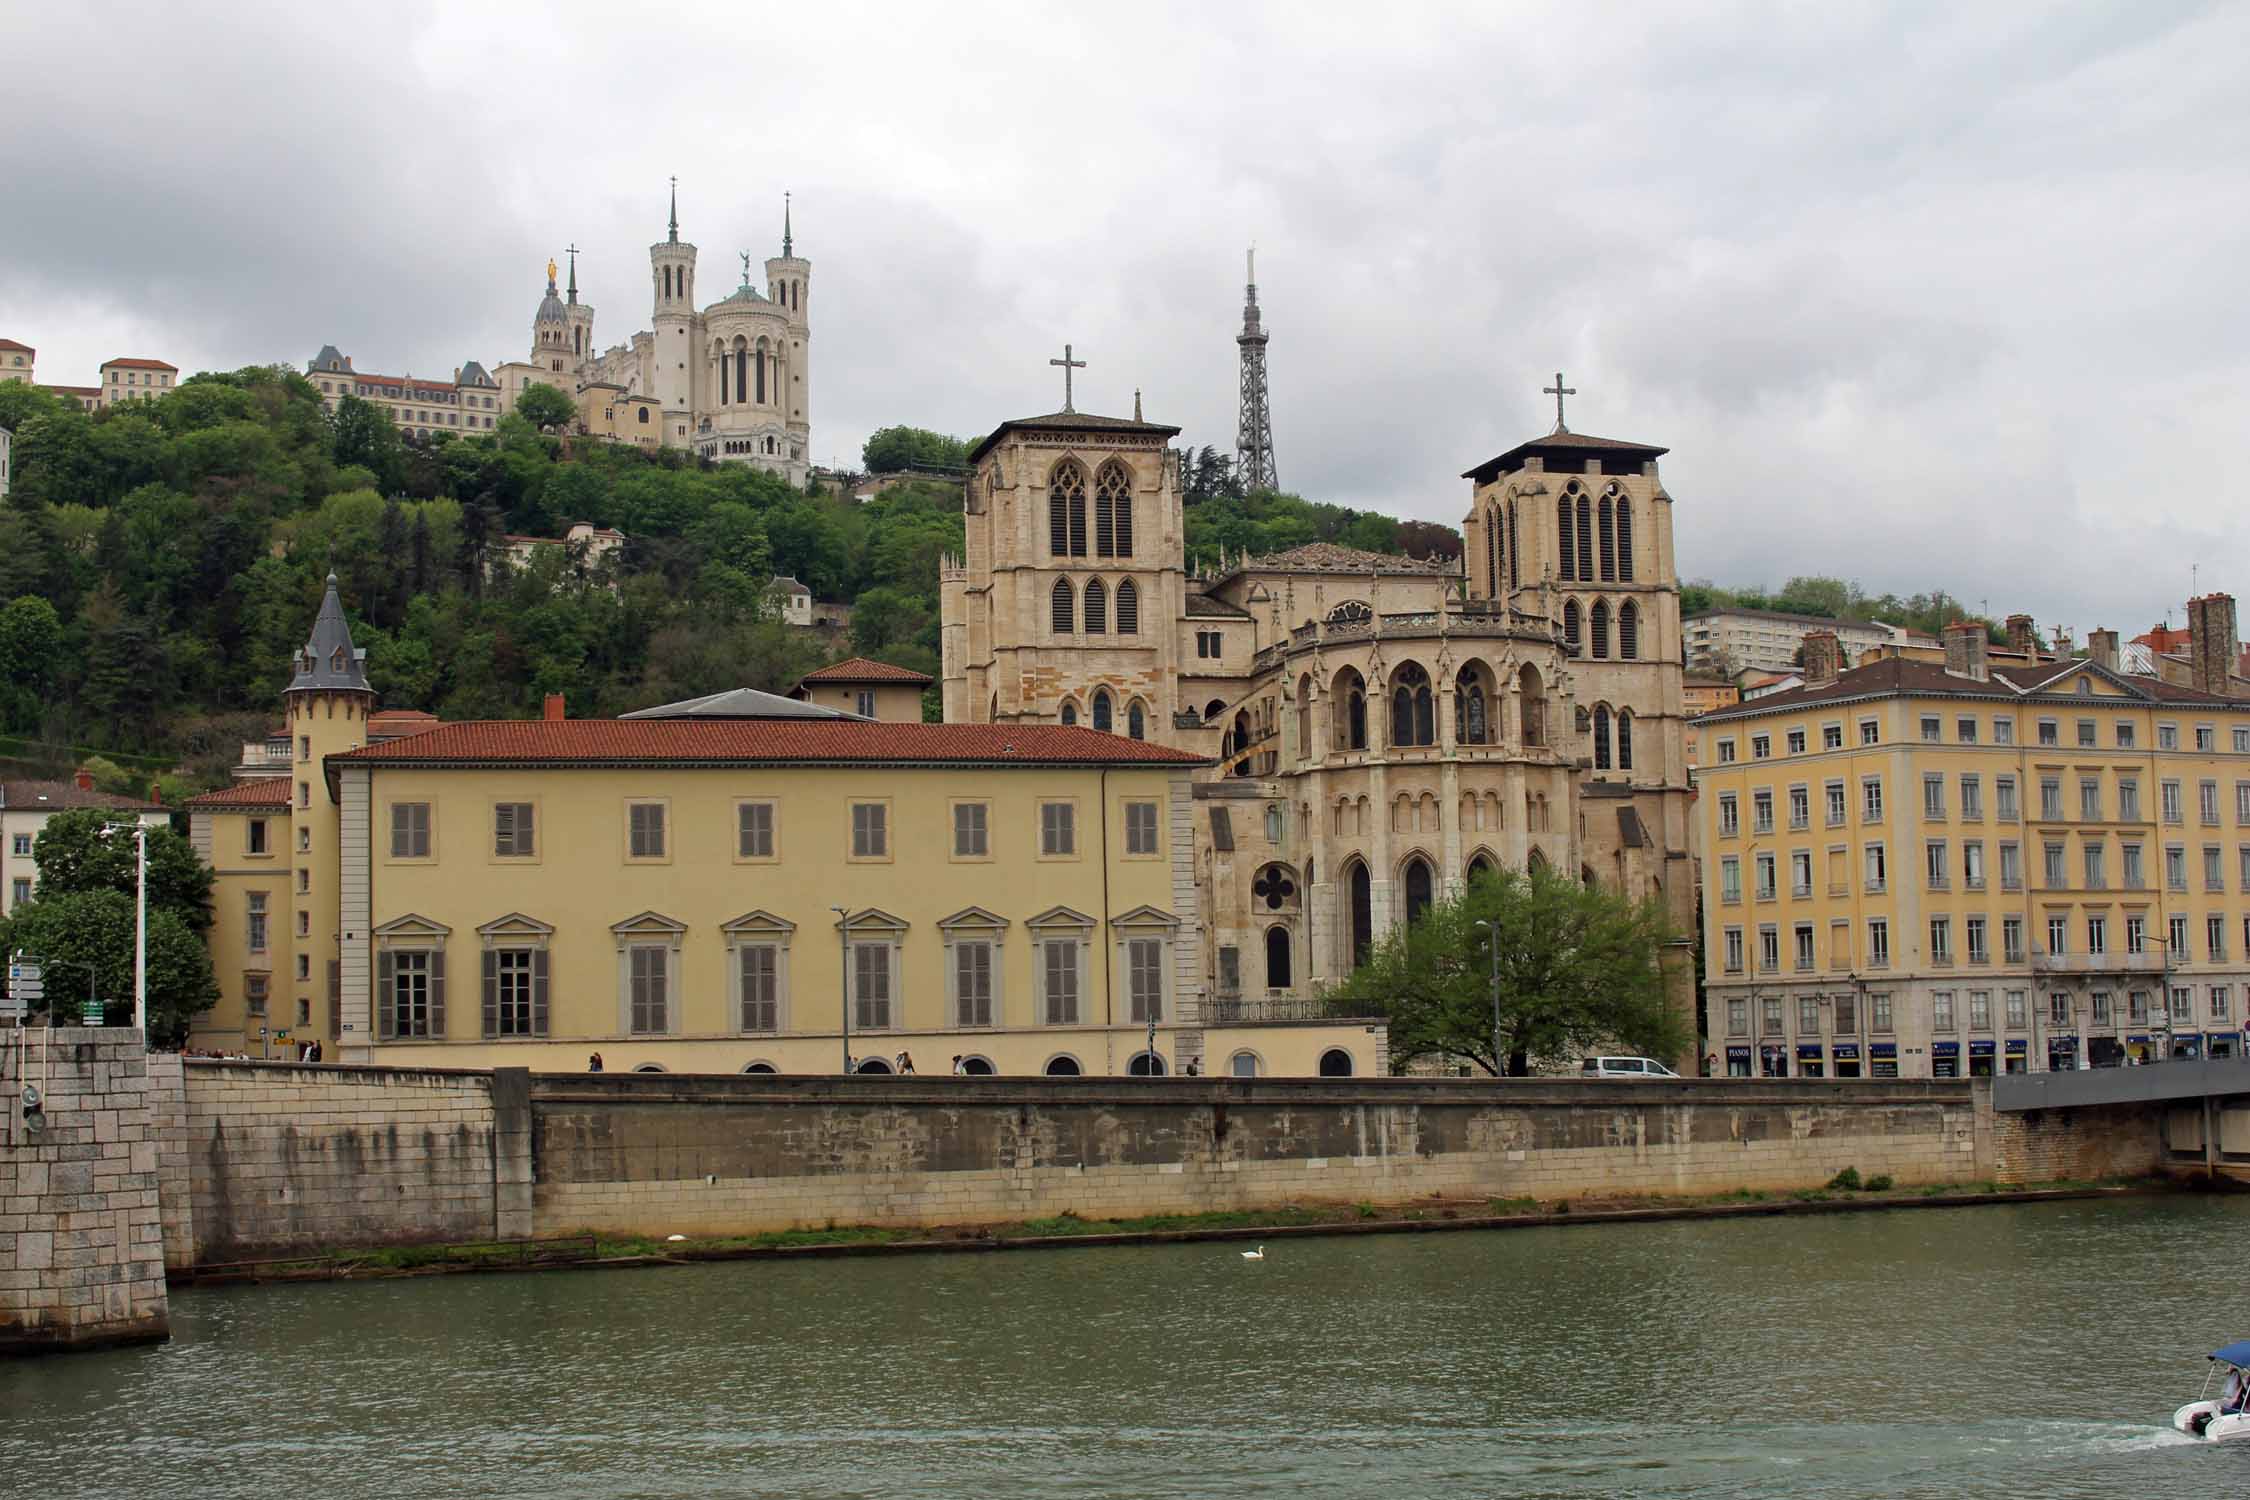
x=2062 y=648
x=2101 y=648
x=155 y=791
x=555 y=708
x=2212 y=644
x=1965 y=643
x=2021 y=637
x=85 y=779
x=1822 y=657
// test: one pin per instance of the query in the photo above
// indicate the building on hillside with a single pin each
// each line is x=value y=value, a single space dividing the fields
x=1760 y=641
x=868 y=689
x=25 y=807
x=88 y=397
x=608 y=411
x=18 y=361
x=2207 y=654
x=1767 y=685
x=792 y=601
x=1989 y=867
x=728 y=380
x=1379 y=727
x=584 y=542
x=470 y=402
x=134 y=379
x=713 y=886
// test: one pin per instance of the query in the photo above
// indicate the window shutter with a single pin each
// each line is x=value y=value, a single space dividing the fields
x=491 y=992
x=538 y=992
x=335 y=999
x=437 y=992
x=385 y=1015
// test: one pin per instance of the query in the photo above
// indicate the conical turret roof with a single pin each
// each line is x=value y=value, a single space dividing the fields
x=330 y=662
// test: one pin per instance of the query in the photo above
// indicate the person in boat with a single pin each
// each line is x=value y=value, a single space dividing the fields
x=2232 y=1394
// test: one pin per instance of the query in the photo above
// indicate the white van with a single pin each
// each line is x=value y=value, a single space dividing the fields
x=1624 y=1067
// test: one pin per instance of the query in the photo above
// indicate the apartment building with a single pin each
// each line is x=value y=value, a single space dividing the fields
x=1759 y=641
x=470 y=402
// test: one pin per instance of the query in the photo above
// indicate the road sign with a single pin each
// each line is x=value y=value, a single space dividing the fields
x=94 y=1012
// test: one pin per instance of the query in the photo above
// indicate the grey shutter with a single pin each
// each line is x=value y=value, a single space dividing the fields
x=491 y=992
x=335 y=999
x=538 y=992
x=437 y=992
x=385 y=1015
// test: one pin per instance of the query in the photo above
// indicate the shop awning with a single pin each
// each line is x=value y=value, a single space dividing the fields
x=1883 y=1049
x=2018 y=1045
x=1950 y=1049
x=1980 y=1049
x=1808 y=1049
x=1848 y=1051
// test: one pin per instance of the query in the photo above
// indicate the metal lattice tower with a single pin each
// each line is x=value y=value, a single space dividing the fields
x=1253 y=437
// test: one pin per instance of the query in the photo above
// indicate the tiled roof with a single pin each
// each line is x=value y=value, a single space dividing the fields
x=1069 y=421
x=73 y=390
x=861 y=669
x=731 y=742
x=1891 y=676
x=1817 y=622
x=12 y=347
x=138 y=364
x=1563 y=442
x=258 y=792
x=1208 y=607
x=62 y=796
x=739 y=703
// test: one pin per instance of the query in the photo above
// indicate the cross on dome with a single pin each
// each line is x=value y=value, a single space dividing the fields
x=1558 y=390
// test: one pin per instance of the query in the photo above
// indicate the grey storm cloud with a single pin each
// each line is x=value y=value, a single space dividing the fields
x=1927 y=296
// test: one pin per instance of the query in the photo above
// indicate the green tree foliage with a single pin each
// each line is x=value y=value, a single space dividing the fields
x=890 y=449
x=74 y=856
x=1838 y=599
x=1578 y=970
x=95 y=927
x=546 y=408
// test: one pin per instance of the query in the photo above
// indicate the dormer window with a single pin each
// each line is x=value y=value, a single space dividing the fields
x=336 y=662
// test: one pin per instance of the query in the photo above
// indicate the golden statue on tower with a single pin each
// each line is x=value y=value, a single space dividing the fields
x=550 y=270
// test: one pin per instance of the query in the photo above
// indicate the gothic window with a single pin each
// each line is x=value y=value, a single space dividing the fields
x=1102 y=716
x=1624 y=741
x=1069 y=712
x=1413 y=708
x=1113 y=511
x=1608 y=542
x=1469 y=713
x=1600 y=629
x=1601 y=738
x=1065 y=606
x=1066 y=510
x=1492 y=552
x=1417 y=888
x=1625 y=539
x=1097 y=607
x=1585 y=538
x=1277 y=958
x=761 y=372
x=1128 y=608
x=1363 y=914
x=1570 y=626
x=1628 y=631
x=1515 y=544
x=1136 y=721
x=1533 y=696
x=1351 y=612
x=1355 y=721
x=1480 y=868
x=1275 y=888
x=667 y=281
x=1568 y=546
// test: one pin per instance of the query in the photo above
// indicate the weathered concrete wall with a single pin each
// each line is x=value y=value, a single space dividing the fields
x=81 y=1244
x=285 y=1158
x=643 y=1154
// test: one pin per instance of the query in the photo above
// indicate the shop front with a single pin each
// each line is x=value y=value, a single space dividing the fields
x=1945 y=1060
x=1738 y=1062
x=1882 y=1060
x=1809 y=1063
x=1773 y=1060
x=1982 y=1052
x=1847 y=1059
x=2062 y=1051
x=2140 y=1048
x=2015 y=1054
x=2187 y=1046
x=2220 y=1044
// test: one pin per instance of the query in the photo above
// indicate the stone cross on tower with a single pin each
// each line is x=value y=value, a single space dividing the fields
x=1068 y=364
x=1558 y=390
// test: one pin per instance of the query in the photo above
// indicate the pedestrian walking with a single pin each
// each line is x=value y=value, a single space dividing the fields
x=906 y=1062
x=594 y=1063
x=960 y=1068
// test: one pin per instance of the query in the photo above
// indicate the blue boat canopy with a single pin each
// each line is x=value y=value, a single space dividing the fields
x=2236 y=1353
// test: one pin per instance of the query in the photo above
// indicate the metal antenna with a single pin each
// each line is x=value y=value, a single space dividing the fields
x=1253 y=434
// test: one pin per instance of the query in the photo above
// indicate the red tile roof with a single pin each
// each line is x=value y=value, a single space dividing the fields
x=73 y=390
x=1890 y=676
x=727 y=742
x=13 y=347
x=62 y=796
x=245 y=796
x=864 y=669
x=138 y=364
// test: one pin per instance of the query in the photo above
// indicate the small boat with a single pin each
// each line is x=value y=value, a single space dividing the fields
x=2220 y=1421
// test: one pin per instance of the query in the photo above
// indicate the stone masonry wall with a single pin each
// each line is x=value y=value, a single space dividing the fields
x=2054 y=1145
x=81 y=1245
x=286 y=1158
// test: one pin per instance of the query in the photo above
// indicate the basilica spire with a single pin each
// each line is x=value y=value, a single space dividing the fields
x=673 y=236
x=786 y=252
x=573 y=253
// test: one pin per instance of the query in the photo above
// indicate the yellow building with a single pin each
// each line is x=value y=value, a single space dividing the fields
x=870 y=689
x=721 y=885
x=1923 y=869
x=468 y=403
x=134 y=379
x=17 y=361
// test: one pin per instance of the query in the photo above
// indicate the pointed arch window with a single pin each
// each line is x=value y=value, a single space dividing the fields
x=1355 y=721
x=1413 y=707
x=1567 y=540
x=1066 y=510
x=1418 y=889
x=1624 y=740
x=1065 y=607
x=1097 y=607
x=1608 y=542
x=1103 y=716
x=1128 y=608
x=1469 y=713
x=1136 y=721
x=1515 y=544
x=1624 y=539
x=1601 y=738
x=1069 y=712
x=1492 y=552
x=1113 y=511
x=1363 y=914
x=1570 y=626
x=1585 y=537
x=1277 y=958
x=1599 y=622
x=1628 y=631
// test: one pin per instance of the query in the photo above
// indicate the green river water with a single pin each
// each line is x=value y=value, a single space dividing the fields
x=2022 y=1351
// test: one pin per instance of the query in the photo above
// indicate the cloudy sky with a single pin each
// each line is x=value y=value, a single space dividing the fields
x=1928 y=296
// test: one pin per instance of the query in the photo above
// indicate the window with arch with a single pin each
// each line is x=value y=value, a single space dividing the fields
x=1566 y=545
x=1628 y=631
x=1492 y=551
x=1351 y=612
x=1598 y=629
x=1066 y=607
x=1136 y=720
x=1625 y=740
x=1065 y=1066
x=1585 y=537
x=1097 y=607
x=1275 y=888
x=1471 y=725
x=1570 y=626
x=1243 y=1065
x=1480 y=868
x=1113 y=511
x=1362 y=928
x=1128 y=608
x=1335 y=1063
x=761 y=361
x=1102 y=712
x=1277 y=958
x=1608 y=541
x=1066 y=510
x=1601 y=737
x=1624 y=539
x=1413 y=707
x=1532 y=694
x=1069 y=712
x=1419 y=888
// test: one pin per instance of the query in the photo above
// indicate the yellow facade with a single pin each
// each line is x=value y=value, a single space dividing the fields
x=1942 y=873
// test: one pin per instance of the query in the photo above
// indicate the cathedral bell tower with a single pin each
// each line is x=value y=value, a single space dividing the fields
x=671 y=266
x=789 y=284
x=580 y=316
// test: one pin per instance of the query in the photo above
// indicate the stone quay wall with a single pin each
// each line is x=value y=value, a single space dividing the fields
x=81 y=1239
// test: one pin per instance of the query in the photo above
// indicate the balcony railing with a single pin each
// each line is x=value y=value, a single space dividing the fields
x=1251 y=1010
x=2044 y=962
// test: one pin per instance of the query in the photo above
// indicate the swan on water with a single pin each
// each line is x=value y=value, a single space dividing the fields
x=1257 y=1254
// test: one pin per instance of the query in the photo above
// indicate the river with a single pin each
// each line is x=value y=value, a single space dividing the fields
x=2021 y=1351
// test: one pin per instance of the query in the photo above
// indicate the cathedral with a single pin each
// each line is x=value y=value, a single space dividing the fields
x=1379 y=728
x=726 y=381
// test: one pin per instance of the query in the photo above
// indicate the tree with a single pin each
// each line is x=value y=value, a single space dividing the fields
x=95 y=927
x=73 y=856
x=363 y=434
x=1578 y=970
x=546 y=408
x=889 y=449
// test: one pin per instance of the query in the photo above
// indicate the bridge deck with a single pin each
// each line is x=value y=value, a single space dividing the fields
x=2201 y=1079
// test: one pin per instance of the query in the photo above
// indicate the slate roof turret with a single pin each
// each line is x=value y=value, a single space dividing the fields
x=330 y=663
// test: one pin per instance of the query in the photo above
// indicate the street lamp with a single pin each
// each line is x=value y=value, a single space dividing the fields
x=2163 y=946
x=1499 y=1065
x=140 y=920
x=844 y=976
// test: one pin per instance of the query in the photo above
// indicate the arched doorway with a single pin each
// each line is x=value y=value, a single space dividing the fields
x=872 y=1065
x=1335 y=1063
x=978 y=1067
x=1065 y=1066
x=1277 y=958
x=1363 y=914
x=1146 y=1065
x=759 y=1067
x=1418 y=888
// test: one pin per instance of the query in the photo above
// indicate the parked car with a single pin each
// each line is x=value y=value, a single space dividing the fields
x=1624 y=1067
